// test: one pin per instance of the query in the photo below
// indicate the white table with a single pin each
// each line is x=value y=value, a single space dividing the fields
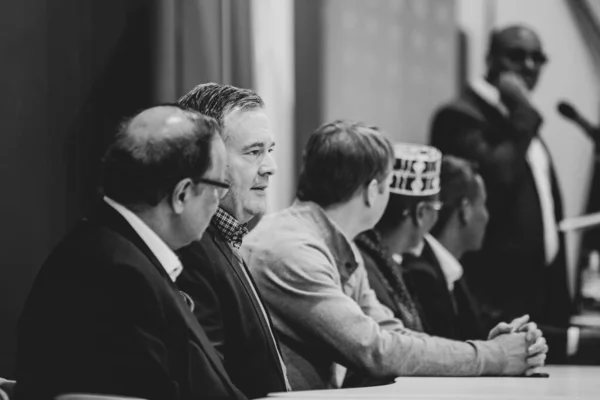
x=565 y=382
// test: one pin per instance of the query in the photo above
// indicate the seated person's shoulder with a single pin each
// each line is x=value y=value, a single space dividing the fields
x=419 y=268
x=200 y=254
x=285 y=247
x=461 y=107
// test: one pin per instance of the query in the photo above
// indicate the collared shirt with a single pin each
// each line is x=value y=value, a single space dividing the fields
x=230 y=228
x=451 y=268
x=167 y=258
x=539 y=161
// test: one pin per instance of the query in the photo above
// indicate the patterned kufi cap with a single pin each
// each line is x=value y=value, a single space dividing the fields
x=416 y=170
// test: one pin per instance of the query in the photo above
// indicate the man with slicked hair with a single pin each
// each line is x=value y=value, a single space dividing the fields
x=227 y=302
x=521 y=268
x=104 y=316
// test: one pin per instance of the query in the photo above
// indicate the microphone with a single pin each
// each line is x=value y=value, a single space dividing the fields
x=568 y=111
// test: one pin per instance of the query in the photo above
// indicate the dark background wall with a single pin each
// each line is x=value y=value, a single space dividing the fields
x=70 y=70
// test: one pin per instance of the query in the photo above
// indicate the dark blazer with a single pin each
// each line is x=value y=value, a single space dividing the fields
x=450 y=314
x=104 y=317
x=509 y=273
x=231 y=315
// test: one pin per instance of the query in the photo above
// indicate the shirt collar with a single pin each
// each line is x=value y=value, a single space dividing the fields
x=451 y=267
x=417 y=250
x=489 y=94
x=159 y=248
x=229 y=227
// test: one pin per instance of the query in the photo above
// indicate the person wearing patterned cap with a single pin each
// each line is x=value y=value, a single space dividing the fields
x=435 y=275
x=313 y=280
x=227 y=303
x=409 y=215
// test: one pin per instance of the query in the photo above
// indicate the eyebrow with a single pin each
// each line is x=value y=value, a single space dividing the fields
x=261 y=145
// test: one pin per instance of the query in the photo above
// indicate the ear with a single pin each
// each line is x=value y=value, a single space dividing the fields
x=370 y=194
x=181 y=195
x=419 y=213
x=465 y=212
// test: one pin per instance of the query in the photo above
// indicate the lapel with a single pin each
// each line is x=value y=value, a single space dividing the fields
x=556 y=196
x=109 y=217
x=430 y=259
x=227 y=252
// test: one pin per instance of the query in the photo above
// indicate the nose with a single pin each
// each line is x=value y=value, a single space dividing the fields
x=530 y=64
x=268 y=166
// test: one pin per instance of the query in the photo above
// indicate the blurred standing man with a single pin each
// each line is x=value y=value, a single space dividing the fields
x=522 y=265
x=104 y=315
x=228 y=304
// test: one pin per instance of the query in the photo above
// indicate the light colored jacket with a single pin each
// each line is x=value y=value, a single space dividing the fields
x=324 y=311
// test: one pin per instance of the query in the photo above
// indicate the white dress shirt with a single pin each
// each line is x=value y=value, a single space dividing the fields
x=539 y=161
x=167 y=258
x=451 y=267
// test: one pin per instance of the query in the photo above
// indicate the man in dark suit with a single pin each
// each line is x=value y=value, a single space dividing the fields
x=522 y=265
x=228 y=304
x=104 y=315
x=435 y=278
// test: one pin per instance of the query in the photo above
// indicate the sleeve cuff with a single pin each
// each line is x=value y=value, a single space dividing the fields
x=572 y=341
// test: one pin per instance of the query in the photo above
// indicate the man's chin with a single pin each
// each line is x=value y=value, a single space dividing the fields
x=258 y=207
x=530 y=81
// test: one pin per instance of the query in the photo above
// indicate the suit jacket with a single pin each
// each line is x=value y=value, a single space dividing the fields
x=231 y=315
x=510 y=271
x=104 y=317
x=451 y=314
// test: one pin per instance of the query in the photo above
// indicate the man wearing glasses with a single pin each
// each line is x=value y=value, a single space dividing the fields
x=104 y=315
x=227 y=302
x=410 y=213
x=521 y=268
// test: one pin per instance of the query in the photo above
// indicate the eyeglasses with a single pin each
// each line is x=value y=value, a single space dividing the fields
x=222 y=187
x=520 y=55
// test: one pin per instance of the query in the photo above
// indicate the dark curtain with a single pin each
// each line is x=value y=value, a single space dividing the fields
x=70 y=71
x=202 y=41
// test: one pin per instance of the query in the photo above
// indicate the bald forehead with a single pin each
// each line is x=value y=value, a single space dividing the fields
x=159 y=122
x=518 y=36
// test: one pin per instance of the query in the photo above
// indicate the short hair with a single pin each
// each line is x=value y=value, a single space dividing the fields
x=216 y=100
x=458 y=180
x=341 y=157
x=398 y=209
x=142 y=172
x=496 y=37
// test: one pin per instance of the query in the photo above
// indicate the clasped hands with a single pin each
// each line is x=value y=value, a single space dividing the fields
x=536 y=347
